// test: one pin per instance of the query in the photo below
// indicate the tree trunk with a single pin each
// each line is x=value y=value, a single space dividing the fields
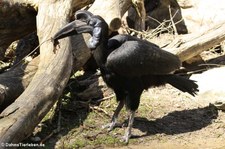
x=52 y=74
x=14 y=81
x=124 y=6
x=18 y=19
x=112 y=15
x=80 y=51
x=140 y=15
x=192 y=45
x=50 y=79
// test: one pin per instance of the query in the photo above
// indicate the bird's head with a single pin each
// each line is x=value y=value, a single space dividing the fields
x=85 y=22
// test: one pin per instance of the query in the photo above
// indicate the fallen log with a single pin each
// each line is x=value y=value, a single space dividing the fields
x=51 y=77
x=18 y=19
x=49 y=80
x=112 y=14
x=192 y=45
x=80 y=51
x=14 y=81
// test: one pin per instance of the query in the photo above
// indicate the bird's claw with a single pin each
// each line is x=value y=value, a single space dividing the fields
x=125 y=138
x=109 y=126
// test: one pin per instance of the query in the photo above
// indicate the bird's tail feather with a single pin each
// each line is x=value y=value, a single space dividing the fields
x=182 y=83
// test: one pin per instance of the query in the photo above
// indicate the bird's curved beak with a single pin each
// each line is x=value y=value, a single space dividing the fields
x=73 y=28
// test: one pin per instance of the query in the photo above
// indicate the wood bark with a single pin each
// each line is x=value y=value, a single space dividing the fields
x=182 y=45
x=80 y=51
x=140 y=16
x=124 y=6
x=52 y=74
x=112 y=14
x=18 y=19
x=192 y=45
x=14 y=81
x=20 y=118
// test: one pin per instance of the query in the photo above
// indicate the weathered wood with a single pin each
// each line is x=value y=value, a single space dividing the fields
x=9 y=33
x=17 y=78
x=50 y=79
x=109 y=10
x=191 y=45
x=26 y=46
x=14 y=81
x=140 y=16
x=16 y=21
x=80 y=55
x=124 y=6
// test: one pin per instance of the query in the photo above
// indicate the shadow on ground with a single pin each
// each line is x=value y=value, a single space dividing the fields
x=177 y=122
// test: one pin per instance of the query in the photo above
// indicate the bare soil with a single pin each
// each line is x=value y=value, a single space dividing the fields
x=166 y=119
x=180 y=121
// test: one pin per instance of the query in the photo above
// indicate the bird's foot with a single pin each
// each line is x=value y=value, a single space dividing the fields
x=125 y=138
x=110 y=126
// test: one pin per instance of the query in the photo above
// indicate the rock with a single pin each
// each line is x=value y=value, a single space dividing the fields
x=211 y=87
x=211 y=80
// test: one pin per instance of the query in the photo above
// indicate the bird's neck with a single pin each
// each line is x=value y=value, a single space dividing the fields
x=100 y=54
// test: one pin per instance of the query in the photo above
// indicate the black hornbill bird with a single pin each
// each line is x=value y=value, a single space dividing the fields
x=128 y=64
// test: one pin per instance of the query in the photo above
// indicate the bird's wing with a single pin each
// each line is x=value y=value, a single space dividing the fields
x=137 y=58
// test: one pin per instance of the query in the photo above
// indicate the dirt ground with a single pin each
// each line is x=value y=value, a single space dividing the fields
x=180 y=121
x=166 y=119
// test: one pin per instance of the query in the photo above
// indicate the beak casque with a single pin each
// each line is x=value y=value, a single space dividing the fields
x=73 y=28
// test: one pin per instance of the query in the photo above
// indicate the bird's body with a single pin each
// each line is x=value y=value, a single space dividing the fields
x=129 y=65
x=120 y=64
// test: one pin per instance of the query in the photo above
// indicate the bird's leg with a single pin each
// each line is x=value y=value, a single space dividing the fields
x=112 y=125
x=127 y=134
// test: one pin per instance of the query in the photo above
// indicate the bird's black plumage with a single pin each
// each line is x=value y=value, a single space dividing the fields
x=128 y=65
x=135 y=57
